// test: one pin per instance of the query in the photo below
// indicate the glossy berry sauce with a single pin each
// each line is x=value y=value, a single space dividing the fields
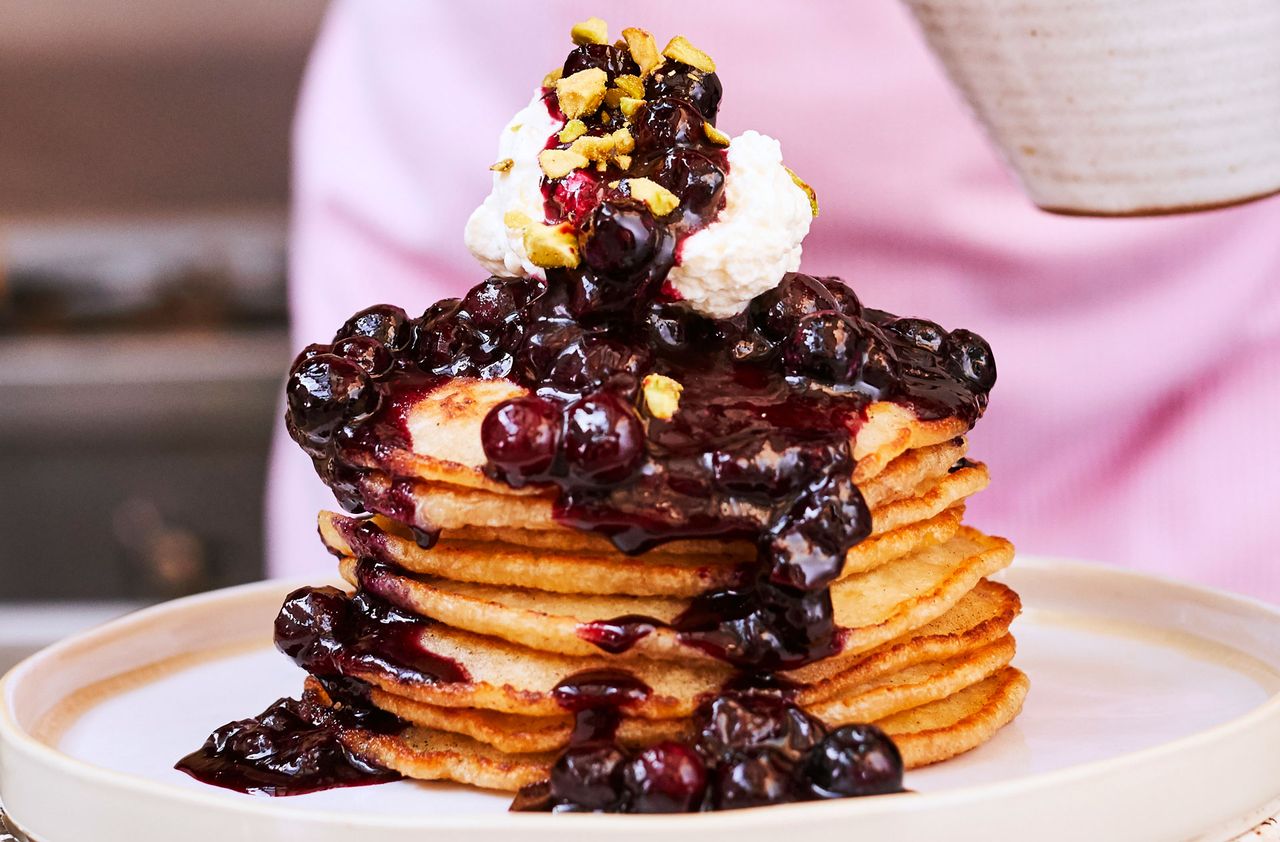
x=295 y=746
x=759 y=451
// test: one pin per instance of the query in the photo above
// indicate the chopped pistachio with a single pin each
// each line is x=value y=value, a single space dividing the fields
x=808 y=191
x=557 y=163
x=632 y=86
x=590 y=31
x=629 y=106
x=504 y=165
x=679 y=49
x=660 y=200
x=551 y=246
x=623 y=141
x=553 y=76
x=661 y=395
x=572 y=130
x=613 y=97
x=516 y=219
x=581 y=93
x=644 y=50
x=604 y=148
x=714 y=135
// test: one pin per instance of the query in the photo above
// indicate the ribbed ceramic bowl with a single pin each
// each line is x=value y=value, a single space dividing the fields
x=1121 y=107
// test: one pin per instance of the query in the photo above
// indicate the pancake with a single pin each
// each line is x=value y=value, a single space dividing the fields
x=927 y=734
x=941 y=730
x=871 y=608
x=882 y=696
x=449 y=507
x=655 y=573
x=443 y=436
x=508 y=678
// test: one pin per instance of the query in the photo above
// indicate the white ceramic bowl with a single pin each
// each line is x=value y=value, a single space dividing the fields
x=1121 y=107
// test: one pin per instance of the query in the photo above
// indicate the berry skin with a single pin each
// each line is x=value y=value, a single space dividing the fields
x=753 y=778
x=855 y=760
x=673 y=79
x=778 y=312
x=969 y=356
x=621 y=239
x=520 y=438
x=588 y=777
x=603 y=440
x=666 y=778
x=366 y=352
x=327 y=391
x=924 y=334
x=388 y=324
x=824 y=347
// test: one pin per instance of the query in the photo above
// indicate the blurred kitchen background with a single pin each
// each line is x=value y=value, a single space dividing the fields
x=143 y=195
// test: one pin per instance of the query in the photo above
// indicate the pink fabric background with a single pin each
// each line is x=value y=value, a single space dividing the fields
x=1139 y=360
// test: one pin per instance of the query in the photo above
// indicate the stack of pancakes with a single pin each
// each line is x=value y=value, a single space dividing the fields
x=925 y=651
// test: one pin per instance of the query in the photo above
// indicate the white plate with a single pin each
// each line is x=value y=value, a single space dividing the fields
x=1154 y=714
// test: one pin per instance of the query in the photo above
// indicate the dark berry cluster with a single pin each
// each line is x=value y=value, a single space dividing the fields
x=626 y=250
x=749 y=750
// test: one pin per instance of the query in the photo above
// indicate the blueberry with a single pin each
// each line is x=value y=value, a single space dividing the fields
x=327 y=390
x=665 y=123
x=922 y=333
x=673 y=79
x=383 y=322
x=620 y=239
x=520 y=437
x=674 y=328
x=824 y=346
x=603 y=439
x=496 y=301
x=612 y=60
x=593 y=362
x=666 y=778
x=855 y=760
x=776 y=313
x=588 y=777
x=753 y=778
x=696 y=178
x=877 y=367
x=846 y=299
x=366 y=352
x=969 y=356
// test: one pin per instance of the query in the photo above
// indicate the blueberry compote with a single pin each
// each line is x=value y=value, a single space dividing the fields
x=749 y=748
x=295 y=746
x=758 y=449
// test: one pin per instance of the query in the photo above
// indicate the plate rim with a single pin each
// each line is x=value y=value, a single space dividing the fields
x=19 y=741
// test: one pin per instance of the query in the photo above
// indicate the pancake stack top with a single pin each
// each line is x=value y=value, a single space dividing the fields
x=623 y=555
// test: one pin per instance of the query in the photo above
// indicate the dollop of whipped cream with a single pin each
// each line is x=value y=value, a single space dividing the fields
x=755 y=239
x=495 y=231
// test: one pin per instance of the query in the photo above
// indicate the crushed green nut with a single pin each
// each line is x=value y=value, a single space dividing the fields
x=590 y=31
x=661 y=395
x=808 y=191
x=557 y=163
x=714 y=135
x=633 y=86
x=551 y=246
x=504 y=165
x=629 y=106
x=581 y=93
x=679 y=49
x=549 y=81
x=643 y=49
x=602 y=149
x=660 y=200
x=516 y=219
x=572 y=130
